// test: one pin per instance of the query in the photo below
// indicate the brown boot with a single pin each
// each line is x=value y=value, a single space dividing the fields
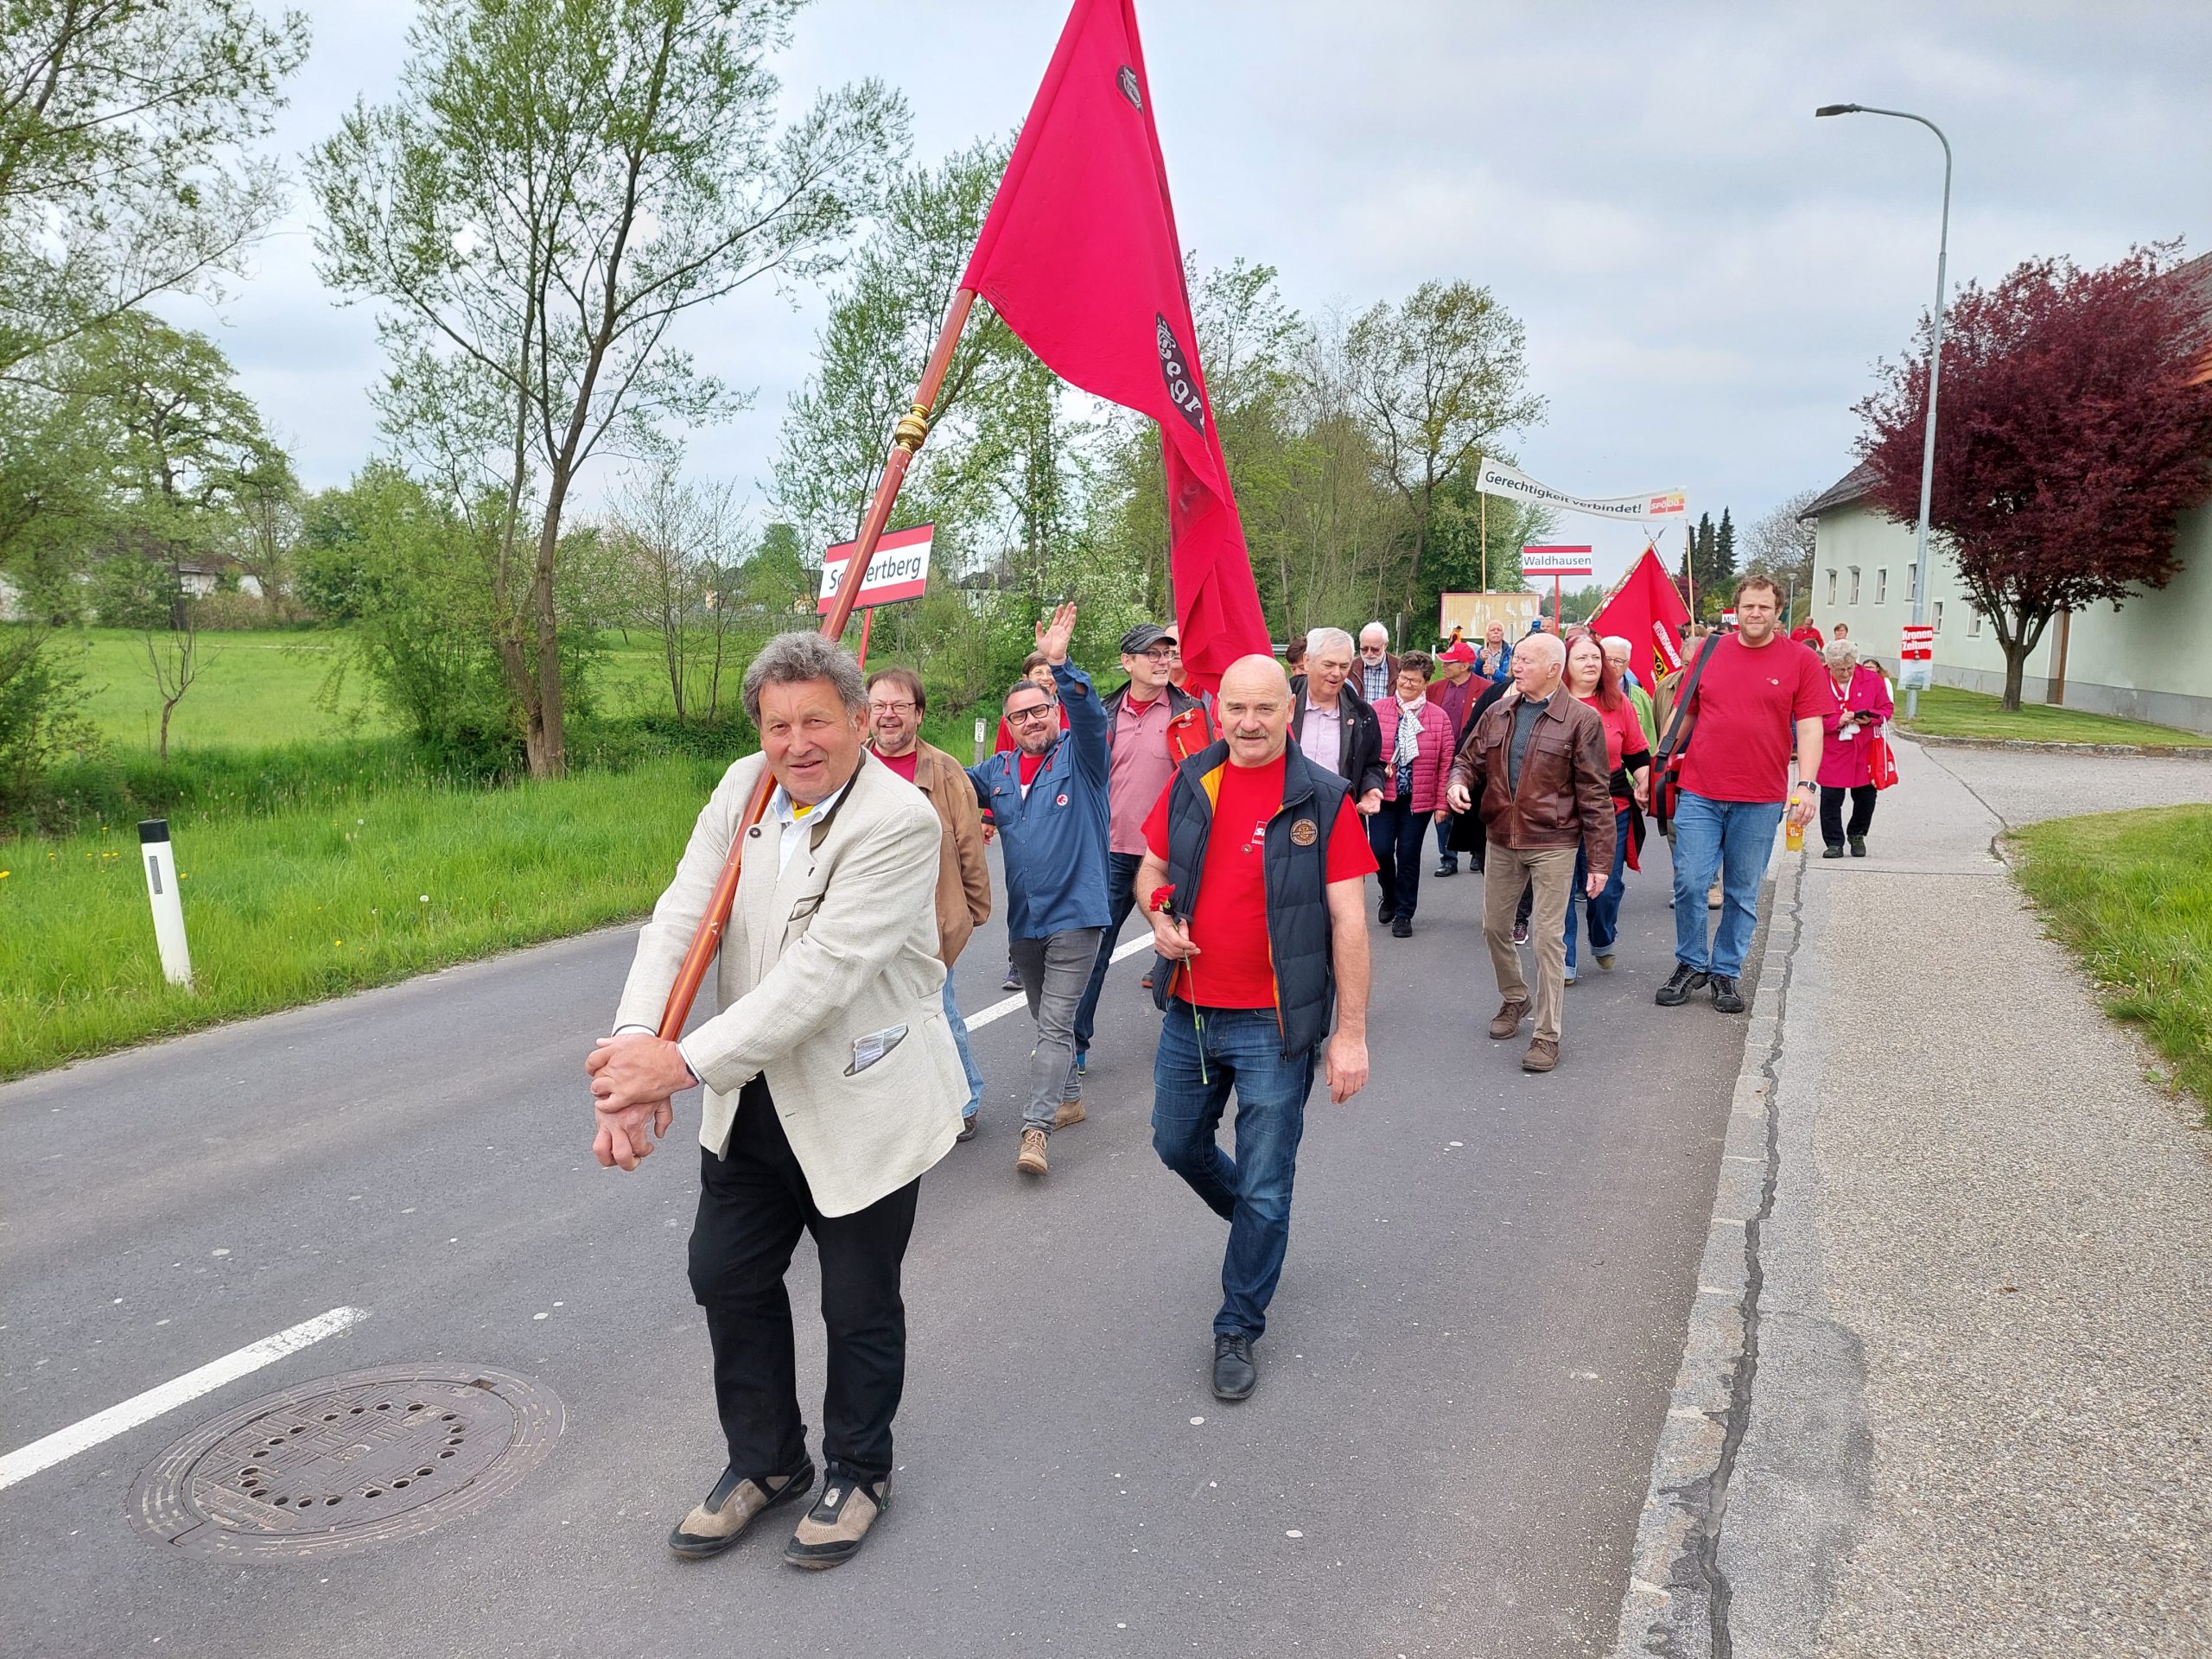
x=1070 y=1112
x=1032 y=1158
x=1509 y=1018
x=1542 y=1055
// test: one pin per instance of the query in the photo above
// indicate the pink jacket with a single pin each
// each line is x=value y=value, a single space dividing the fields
x=1843 y=761
x=1432 y=759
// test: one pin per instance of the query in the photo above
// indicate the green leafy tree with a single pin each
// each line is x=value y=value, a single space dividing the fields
x=125 y=171
x=553 y=190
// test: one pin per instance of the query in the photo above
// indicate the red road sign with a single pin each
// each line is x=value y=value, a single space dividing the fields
x=900 y=570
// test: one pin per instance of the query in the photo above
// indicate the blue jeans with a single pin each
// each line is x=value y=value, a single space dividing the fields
x=1243 y=1049
x=1121 y=900
x=967 y=1055
x=1445 y=858
x=1735 y=839
x=1605 y=908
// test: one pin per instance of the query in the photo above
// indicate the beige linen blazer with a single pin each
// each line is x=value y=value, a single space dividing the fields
x=841 y=943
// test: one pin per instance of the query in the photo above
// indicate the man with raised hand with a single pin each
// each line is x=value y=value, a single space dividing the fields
x=1152 y=726
x=896 y=704
x=1753 y=695
x=832 y=1082
x=1253 y=880
x=1535 y=763
x=1048 y=798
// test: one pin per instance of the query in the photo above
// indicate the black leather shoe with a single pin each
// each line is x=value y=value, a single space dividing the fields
x=1382 y=911
x=1235 y=1375
x=1402 y=927
x=1447 y=866
x=1725 y=996
x=1676 y=991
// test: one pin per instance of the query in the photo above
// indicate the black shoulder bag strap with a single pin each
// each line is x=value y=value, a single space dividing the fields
x=1677 y=737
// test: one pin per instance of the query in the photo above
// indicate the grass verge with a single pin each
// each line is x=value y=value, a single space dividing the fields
x=311 y=902
x=1945 y=711
x=2131 y=893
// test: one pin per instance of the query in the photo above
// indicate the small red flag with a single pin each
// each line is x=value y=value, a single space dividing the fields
x=1080 y=257
x=1647 y=611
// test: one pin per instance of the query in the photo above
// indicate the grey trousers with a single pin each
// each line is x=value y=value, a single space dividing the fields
x=1054 y=971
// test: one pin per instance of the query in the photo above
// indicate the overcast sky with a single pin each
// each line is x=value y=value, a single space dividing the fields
x=1707 y=273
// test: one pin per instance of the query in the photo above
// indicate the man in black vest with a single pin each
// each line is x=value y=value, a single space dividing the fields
x=1253 y=880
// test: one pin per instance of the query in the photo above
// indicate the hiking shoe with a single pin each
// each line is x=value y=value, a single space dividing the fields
x=1235 y=1375
x=1831 y=852
x=1070 y=1112
x=968 y=1125
x=1030 y=1159
x=1520 y=933
x=834 y=1529
x=1605 y=960
x=1725 y=996
x=1542 y=1055
x=720 y=1519
x=1013 y=980
x=1676 y=991
x=1859 y=846
x=1509 y=1018
x=1402 y=927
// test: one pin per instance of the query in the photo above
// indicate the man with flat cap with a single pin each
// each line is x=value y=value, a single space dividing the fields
x=1152 y=726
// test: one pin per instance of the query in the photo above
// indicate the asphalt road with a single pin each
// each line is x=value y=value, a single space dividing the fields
x=1463 y=1376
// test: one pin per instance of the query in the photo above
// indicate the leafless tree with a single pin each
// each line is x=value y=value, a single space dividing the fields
x=681 y=544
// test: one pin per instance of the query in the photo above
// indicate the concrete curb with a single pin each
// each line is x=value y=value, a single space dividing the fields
x=1676 y=1602
x=2026 y=745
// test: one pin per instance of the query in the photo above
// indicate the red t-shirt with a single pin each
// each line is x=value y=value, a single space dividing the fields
x=1747 y=701
x=1029 y=766
x=902 y=763
x=1234 y=967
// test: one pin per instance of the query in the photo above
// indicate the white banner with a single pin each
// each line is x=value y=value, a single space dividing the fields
x=1661 y=507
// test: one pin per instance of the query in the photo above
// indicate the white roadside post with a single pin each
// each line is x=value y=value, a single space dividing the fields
x=979 y=740
x=160 y=892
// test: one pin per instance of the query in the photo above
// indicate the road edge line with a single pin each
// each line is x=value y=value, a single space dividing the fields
x=1675 y=1602
x=66 y=1443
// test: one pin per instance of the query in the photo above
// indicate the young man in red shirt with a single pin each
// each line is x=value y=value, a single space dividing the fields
x=1254 y=880
x=1755 y=690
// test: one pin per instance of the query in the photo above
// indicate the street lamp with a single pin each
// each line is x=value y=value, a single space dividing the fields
x=1934 y=370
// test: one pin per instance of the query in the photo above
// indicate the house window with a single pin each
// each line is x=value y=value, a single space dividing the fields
x=1831 y=588
x=1936 y=618
x=1973 y=622
x=1881 y=585
x=1854 y=584
x=1911 y=582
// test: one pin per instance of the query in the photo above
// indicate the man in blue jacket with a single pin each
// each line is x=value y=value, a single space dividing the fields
x=1047 y=795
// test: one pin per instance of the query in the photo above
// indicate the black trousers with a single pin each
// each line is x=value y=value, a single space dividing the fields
x=753 y=1203
x=1394 y=835
x=1862 y=811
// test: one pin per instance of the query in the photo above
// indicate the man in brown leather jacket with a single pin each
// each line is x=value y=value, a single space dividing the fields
x=1537 y=763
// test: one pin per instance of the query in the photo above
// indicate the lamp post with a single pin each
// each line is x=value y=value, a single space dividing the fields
x=1934 y=370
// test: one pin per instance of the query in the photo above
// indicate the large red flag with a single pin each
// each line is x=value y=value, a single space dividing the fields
x=1080 y=257
x=1648 y=611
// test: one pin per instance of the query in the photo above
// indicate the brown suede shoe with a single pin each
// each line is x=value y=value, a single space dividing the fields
x=1542 y=1055
x=1509 y=1019
x=721 y=1518
x=833 y=1531
x=1070 y=1112
x=1032 y=1158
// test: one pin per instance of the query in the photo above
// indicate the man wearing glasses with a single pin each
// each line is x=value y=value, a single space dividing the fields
x=1378 y=669
x=1152 y=726
x=895 y=705
x=1048 y=797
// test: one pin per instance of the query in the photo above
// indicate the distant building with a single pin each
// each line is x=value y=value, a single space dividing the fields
x=2148 y=659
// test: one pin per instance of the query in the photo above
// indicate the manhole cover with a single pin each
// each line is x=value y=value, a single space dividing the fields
x=345 y=1461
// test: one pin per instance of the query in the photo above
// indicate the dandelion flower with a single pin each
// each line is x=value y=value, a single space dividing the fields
x=4 y=875
x=423 y=898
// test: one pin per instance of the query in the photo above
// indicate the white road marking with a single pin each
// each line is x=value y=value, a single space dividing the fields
x=144 y=1408
x=1019 y=999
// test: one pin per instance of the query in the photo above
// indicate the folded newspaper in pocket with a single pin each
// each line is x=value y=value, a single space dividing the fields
x=872 y=1047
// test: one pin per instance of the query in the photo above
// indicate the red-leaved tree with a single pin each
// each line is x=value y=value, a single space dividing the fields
x=2073 y=426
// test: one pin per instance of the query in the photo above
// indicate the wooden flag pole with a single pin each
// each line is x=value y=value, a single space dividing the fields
x=906 y=437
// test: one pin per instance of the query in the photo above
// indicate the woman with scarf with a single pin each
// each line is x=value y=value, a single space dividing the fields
x=1591 y=677
x=1418 y=741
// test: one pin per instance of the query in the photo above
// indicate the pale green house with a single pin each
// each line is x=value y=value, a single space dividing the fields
x=2148 y=658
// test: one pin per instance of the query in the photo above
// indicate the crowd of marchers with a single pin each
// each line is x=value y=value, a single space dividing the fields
x=1244 y=823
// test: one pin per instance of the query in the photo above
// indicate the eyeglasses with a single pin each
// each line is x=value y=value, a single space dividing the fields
x=1158 y=654
x=890 y=707
x=1024 y=717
